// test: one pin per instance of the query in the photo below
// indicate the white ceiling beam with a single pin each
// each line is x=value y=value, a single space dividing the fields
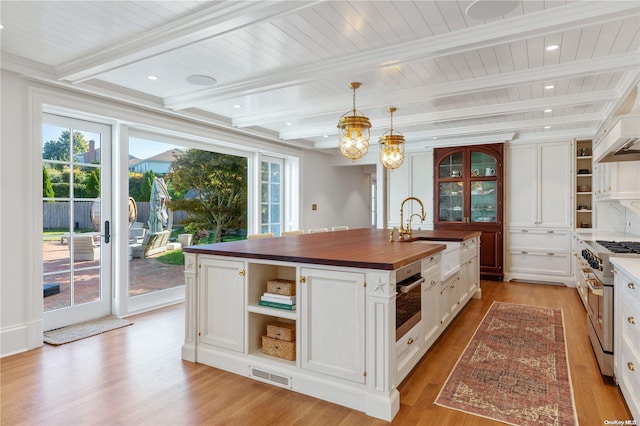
x=573 y=15
x=586 y=67
x=223 y=18
x=457 y=114
x=491 y=129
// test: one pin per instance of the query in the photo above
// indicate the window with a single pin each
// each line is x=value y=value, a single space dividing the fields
x=271 y=207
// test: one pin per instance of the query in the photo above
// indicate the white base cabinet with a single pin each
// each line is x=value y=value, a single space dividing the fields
x=537 y=254
x=333 y=320
x=626 y=354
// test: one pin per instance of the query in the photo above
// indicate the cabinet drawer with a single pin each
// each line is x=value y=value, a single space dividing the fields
x=630 y=325
x=523 y=239
x=628 y=376
x=629 y=290
x=430 y=265
x=541 y=263
x=408 y=351
x=468 y=248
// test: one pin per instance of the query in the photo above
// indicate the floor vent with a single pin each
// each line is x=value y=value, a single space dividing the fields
x=265 y=376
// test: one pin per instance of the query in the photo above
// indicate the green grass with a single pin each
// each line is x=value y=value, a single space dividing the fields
x=173 y=257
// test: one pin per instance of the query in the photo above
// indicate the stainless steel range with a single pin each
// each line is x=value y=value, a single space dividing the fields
x=599 y=280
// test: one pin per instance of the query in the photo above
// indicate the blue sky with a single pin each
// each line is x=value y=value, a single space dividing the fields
x=139 y=148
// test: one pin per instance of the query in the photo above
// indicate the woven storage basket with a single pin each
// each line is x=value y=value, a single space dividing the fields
x=279 y=348
x=282 y=331
x=284 y=287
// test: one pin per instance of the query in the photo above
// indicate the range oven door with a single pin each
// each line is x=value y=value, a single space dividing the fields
x=408 y=304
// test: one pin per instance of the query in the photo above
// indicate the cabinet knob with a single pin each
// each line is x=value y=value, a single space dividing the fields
x=551 y=231
x=242 y=272
x=609 y=188
x=632 y=286
x=631 y=367
x=524 y=230
x=303 y=279
x=631 y=320
x=550 y=254
x=410 y=341
x=524 y=252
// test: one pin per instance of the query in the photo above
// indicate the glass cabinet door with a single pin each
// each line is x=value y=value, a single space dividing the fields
x=482 y=165
x=483 y=187
x=483 y=201
x=452 y=166
x=451 y=201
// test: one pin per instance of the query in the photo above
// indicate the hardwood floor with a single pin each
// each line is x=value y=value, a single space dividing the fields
x=135 y=376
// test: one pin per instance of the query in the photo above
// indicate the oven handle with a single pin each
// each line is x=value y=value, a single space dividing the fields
x=597 y=290
x=408 y=288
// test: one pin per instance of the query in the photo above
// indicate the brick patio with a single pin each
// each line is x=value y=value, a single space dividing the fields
x=145 y=276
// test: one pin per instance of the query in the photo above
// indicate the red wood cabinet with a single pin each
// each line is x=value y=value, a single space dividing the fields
x=468 y=196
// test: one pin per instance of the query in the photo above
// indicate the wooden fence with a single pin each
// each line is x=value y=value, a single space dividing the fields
x=56 y=215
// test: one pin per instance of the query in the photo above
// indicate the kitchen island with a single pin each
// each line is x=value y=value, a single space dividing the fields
x=345 y=350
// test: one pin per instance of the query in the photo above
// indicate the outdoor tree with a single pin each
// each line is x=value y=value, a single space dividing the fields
x=216 y=191
x=59 y=149
x=145 y=187
x=47 y=188
x=93 y=184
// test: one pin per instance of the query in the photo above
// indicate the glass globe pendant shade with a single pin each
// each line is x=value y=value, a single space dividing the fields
x=354 y=131
x=392 y=151
x=391 y=146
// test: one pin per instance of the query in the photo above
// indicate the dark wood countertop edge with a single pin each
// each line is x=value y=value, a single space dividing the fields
x=434 y=248
x=468 y=236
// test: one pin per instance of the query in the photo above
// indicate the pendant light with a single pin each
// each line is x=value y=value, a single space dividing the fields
x=353 y=135
x=391 y=146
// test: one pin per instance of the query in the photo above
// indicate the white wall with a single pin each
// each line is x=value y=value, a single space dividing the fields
x=19 y=323
x=340 y=192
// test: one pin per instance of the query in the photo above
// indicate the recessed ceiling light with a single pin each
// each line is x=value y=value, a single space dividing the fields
x=325 y=136
x=152 y=77
x=548 y=110
x=549 y=87
x=1 y=26
x=552 y=47
x=236 y=106
x=490 y=9
x=289 y=123
x=201 y=80
x=547 y=127
x=434 y=137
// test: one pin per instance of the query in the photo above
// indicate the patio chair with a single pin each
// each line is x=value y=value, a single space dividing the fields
x=85 y=247
x=296 y=232
x=340 y=228
x=315 y=231
x=153 y=243
x=257 y=236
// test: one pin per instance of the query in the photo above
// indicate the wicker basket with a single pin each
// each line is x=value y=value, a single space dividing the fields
x=279 y=348
x=284 y=287
x=282 y=331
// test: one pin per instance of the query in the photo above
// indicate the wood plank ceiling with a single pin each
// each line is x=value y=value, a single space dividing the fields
x=282 y=68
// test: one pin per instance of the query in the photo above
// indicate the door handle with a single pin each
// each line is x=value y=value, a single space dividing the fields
x=107 y=232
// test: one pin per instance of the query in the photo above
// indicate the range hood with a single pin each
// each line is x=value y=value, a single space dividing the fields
x=621 y=142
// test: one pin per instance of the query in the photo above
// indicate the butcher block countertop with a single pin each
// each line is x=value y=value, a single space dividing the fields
x=355 y=248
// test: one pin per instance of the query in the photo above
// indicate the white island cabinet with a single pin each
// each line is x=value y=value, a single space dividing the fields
x=345 y=349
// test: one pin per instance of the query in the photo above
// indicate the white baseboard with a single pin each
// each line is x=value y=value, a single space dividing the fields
x=21 y=338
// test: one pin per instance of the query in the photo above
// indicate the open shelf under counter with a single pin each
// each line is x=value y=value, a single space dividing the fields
x=273 y=312
x=273 y=359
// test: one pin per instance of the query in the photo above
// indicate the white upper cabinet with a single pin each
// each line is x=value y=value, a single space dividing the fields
x=538 y=185
x=617 y=181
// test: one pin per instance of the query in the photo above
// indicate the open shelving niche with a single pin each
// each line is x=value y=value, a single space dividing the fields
x=584 y=196
x=259 y=316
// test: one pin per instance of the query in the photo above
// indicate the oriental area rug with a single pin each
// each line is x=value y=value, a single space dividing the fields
x=514 y=369
x=83 y=330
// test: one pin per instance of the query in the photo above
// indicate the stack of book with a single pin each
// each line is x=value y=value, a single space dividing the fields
x=280 y=301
